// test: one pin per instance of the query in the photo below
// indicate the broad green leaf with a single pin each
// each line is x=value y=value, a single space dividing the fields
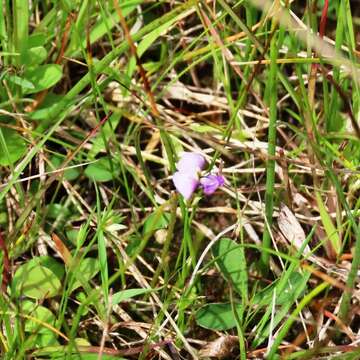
x=97 y=145
x=43 y=77
x=34 y=56
x=217 y=316
x=86 y=270
x=25 y=84
x=100 y=171
x=3 y=218
x=134 y=243
x=43 y=339
x=230 y=258
x=55 y=210
x=37 y=39
x=156 y=221
x=71 y=235
x=128 y=294
x=40 y=313
x=36 y=281
x=12 y=146
x=50 y=263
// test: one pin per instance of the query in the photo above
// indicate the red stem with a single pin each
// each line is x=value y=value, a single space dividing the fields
x=6 y=264
x=323 y=19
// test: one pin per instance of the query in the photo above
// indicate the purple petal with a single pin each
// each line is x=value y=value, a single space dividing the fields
x=185 y=184
x=191 y=163
x=211 y=182
x=221 y=180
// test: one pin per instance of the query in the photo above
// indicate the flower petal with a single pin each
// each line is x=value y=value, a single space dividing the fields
x=191 y=163
x=221 y=180
x=211 y=182
x=185 y=184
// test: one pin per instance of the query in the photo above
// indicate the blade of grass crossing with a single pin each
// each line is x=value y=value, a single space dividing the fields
x=330 y=229
x=270 y=169
x=163 y=264
x=80 y=240
x=103 y=266
x=102 y=249
x=332 y=113
x=185 y=261
x=143 y=165
x=264 y=327
x=293 y=316
x=242 y=26
x=352 y=276
x=352 y=46
x=4 y=39
x=239 y=326
x=3 y=305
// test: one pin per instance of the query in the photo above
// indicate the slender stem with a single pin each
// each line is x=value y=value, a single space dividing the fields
x=270 y=168
x=21 y=31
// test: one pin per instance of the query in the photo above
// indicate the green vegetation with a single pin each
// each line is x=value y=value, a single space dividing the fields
x=101 y=257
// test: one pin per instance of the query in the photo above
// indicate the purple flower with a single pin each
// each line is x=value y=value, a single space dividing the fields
x=186 y=179
x=211 y=182
x=191 y=163
x=185 y=183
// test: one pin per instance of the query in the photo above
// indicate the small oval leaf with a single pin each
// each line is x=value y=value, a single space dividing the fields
x=156 y=221
x=230 y=258
x=87 y=269
x=36 y=281
x=217 y=316
x=40 y=313
x=43 y=77
x=23 y=83
x=12 y=146
x=34 y=56
x=100 y=171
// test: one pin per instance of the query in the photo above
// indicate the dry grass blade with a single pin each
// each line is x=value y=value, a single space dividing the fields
x=308 y=37
x=291 y=228
x=220 y=348
x=142 y=71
